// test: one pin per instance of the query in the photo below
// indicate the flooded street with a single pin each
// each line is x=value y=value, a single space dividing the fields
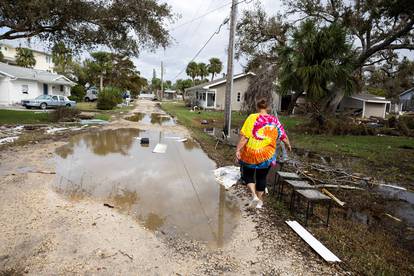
x=102 y=202
x=174 y=192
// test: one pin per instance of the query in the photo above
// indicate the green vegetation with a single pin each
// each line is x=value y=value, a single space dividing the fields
x=109 y=98
x=23 y=117
x=77 y=93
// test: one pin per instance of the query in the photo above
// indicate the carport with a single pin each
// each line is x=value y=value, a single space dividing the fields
x=370 y=105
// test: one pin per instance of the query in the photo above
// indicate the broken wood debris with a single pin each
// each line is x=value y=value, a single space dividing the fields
x=334 y=198
x=109 y=205
x=126 y=254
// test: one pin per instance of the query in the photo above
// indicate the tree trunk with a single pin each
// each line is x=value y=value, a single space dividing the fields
x=101 y=82
x=293 y=102
x=332 y=104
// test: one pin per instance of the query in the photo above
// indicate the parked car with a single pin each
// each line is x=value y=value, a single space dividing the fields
x=91 y=94
x=46 y=101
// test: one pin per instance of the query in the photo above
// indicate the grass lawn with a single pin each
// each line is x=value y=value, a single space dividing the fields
x=23 y=117
x=101 y=114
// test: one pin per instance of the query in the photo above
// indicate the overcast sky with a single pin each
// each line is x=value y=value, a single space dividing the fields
x=188 y=39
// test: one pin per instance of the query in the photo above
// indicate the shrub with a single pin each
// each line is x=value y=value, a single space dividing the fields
x=77 y=93
x=109 y=98
x=64 y=114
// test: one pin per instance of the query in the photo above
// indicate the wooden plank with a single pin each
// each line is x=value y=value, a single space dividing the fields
x=334 y=198
x=324 y=252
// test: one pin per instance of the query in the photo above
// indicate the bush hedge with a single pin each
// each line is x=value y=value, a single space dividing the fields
x=77 y=93
x=109 y=98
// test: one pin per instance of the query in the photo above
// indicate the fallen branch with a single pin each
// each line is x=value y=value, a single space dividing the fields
x=334 y=198
x=126 y=254
x=347 y=187
x=43 y=172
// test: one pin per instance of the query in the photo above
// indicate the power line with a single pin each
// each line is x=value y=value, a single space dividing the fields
x=205 y=44
x=207 y=13
x=199 y=17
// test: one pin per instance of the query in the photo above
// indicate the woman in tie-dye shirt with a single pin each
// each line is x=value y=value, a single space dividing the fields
x=256 y=150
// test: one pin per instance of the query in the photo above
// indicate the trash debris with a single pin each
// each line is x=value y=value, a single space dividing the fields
x=159 y=148
x=53 y=130
x=127 y=255
x=144 y=141
x=182 y=140
x=93 y=122
x=108 y=205
x=8 y=140
x=204 y=122
x=324 y=252
x=227 y=176
x=43 y=172
x=173 y=137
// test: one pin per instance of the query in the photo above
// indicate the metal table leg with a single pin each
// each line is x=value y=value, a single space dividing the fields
x=329 y=213
x=307 y=214
x=276 y=183
x=292 y=199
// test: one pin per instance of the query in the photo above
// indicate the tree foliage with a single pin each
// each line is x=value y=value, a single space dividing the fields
x=124 y=25
x=202 y=70
x=25 y=57
x=192 y=70
x=62 y=59
x=376 y=29
x=215 y=66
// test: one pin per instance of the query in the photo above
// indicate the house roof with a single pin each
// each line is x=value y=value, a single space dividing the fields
x=365 y=97
x=210 y=84
x=407 y=91
x=17 y=72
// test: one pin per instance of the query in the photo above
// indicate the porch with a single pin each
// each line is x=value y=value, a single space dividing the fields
x=206 y=98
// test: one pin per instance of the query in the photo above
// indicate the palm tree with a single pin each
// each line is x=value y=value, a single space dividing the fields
x=215 y=67
x=192 y=70
x=202 y=70
x=25 y=58
x=61 y=57
x=317 y=61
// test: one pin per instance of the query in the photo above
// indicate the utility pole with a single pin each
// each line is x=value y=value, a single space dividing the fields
x=230 y=58
x=162 y=81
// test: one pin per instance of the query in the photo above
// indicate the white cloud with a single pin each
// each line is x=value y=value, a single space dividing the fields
x=188 y=39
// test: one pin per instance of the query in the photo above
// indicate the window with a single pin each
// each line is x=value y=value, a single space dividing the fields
x=55 y=98
x=61 y=98
x=61 y=88
x=25 y=89
x=238 y=97
x=48 y=59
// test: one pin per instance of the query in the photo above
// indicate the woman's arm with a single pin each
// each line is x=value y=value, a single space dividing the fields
x=287 y=142
x=243 y=141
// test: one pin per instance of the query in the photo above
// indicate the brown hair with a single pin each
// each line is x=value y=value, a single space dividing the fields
x=262 y=103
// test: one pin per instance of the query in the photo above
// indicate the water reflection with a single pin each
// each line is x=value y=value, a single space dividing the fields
x=175 y=192
x=153 y=118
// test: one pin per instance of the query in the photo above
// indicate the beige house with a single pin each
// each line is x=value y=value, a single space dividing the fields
x=370 y=105
x=43 y=59
x=211 y=95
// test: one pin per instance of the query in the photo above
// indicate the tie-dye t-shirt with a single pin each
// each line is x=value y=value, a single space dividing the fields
x=262 y=131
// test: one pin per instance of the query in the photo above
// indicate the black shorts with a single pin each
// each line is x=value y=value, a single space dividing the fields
x=257 y=176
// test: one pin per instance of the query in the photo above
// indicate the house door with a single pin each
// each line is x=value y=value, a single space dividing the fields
x=45 y=89
x=211 y=97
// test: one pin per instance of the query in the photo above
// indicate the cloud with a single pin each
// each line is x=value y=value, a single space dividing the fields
x=188 y=39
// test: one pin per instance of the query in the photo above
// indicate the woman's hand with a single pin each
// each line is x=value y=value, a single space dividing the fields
x=287 y=143
x=238 y=154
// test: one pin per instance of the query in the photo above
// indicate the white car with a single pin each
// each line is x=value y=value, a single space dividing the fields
x=46 y=101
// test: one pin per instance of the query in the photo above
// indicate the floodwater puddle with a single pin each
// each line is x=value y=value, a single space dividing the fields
x=152 y=118
x=173 y=193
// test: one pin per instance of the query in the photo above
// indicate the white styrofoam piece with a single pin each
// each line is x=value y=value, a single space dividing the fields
x=325 y=253
x=182 y=140
x=173 y=137
x=160 y=148
x=227 y=176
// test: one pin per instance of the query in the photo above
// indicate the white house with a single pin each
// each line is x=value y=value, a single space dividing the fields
x=212 y=94
x=43 y=59
x=370 y=105
x=19 y=83
x=406 y=99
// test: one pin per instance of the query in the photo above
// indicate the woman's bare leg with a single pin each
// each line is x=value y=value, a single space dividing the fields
x=252 y=188
x=260 y=195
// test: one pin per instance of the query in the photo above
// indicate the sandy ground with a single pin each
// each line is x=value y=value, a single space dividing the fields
x=42 y=233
